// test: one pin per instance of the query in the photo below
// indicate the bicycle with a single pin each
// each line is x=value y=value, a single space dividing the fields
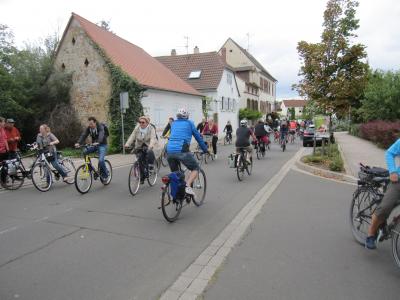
x=15 y=171
x=42 y=172
x=140 y=171
x=200 y=156
x=163 y=157
x=171 y=206
x=85 y=173
x=283 y=143
x=228 y=138
x=260 y=148
x=372 y=185
x=242 y=164
x=292 y=136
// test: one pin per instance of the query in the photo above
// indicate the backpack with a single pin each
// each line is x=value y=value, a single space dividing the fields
x=177 y=184
x=106 y=131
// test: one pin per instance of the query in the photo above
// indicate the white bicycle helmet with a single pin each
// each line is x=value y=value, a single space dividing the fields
x=182 y=113
x=243 y=122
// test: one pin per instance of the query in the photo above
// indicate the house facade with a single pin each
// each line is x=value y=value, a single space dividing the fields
x=256 y=85
x=298 y=106
x=213 y=78
x=91 y=83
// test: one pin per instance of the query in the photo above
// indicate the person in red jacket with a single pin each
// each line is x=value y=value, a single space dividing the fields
x=3 y=141
x=13 y=137
x=211 y=130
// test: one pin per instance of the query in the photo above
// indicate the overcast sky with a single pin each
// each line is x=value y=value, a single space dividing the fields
x=274 y=27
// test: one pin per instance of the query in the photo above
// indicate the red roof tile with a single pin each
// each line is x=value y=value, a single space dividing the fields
x=136 y=62
x=294 y=103
x=210 y=64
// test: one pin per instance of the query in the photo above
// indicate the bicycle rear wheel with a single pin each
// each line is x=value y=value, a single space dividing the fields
x=258 y=152
x=153 y=174
x=83 y=179
x=249 y=166
x=170 y=209
x=362 y=207
x=41 y=176
x=240 y=168
x=109 y=170
x=134 y=179
x=200 y=188
x=68 y=165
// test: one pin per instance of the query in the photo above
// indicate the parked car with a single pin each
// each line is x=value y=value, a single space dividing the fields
x=308 y=137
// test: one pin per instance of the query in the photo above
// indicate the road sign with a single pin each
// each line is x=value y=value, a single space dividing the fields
x=124 y=101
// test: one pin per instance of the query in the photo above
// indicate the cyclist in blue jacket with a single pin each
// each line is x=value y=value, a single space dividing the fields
x=391 y=198
x=178 y=148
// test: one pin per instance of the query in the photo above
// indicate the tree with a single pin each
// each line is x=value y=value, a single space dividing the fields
x=333 y=71
x=105 y=25
x=381 y=97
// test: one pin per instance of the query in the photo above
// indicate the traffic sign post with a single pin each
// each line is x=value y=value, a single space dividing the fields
x=124 y=105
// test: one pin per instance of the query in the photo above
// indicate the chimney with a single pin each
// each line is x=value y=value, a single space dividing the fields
x=196 y=50
x=223 y=54
x=173 y=52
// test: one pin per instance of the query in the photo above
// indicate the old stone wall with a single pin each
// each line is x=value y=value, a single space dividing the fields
x=91 y=83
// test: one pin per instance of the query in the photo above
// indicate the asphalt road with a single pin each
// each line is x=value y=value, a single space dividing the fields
x=109 y=245
x=300 y=247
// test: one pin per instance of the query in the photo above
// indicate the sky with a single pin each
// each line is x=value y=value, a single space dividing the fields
x=269 y=29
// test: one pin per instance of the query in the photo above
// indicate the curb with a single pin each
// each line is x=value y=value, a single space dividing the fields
x=325 y=173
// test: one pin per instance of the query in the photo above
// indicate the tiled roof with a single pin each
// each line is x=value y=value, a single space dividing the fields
x=294 y=103
x=254 y=60
x=148 y=71
x=210 y=64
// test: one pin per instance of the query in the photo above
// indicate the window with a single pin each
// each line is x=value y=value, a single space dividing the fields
x=73 y=41
x=229 y=78
x=222 y=103
x=248 y=104
x=195 y=74
x=86 y=62
x=63 y=66
x=226 y=103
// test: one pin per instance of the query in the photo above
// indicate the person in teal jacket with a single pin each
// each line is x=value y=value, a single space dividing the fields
x=391 y=198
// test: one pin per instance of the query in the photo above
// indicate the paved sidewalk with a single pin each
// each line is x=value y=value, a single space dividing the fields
x=356 y=150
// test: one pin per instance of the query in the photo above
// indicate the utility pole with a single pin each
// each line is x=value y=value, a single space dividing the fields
x=187 y=44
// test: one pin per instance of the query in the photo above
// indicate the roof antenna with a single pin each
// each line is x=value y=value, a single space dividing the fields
x=187 y=44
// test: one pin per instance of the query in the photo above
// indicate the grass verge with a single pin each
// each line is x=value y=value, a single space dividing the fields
x=330 y=159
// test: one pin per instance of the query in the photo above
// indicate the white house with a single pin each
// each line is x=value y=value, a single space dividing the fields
x=298 y=106
x=79 y=54
x=256 y=85
x=213 y=78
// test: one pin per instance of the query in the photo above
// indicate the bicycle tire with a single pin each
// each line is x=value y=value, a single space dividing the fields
x=163 y=160
x=41 y=173
x=258 y=153
x=240 y=168
x=83 y=175
x=17 y=178
x=134 y=179
x=152 y=180
x=249 y=167
x=362 y=199
x=68 y=164
x=396 y=244
x=110 y=174
x=200 y=183
x=170 y=209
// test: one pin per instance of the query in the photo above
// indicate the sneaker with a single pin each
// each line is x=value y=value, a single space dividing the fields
x=370 y=243
x=189 y=191
x=215 y=156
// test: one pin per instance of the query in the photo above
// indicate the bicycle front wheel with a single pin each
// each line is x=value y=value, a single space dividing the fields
x=13 y=182
x=134 y=179
x=200 y=187
x=362 y=207
x=164 y=161
x=83 y=179
x=170 y=209
x=107 y=180
x=240 y=168
x=396 y=244
x=68 y=165
x=41 y=176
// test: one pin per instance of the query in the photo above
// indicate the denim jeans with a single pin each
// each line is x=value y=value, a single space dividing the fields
x=57 y=166
x=102 y=151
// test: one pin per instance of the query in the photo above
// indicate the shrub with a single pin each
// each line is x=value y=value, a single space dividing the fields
x=336 y=164
x=355 y=129
x=382 y=133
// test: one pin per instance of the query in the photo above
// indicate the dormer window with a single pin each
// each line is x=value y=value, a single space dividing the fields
x=86 y=62
x=73 y=41
x=195 y=74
